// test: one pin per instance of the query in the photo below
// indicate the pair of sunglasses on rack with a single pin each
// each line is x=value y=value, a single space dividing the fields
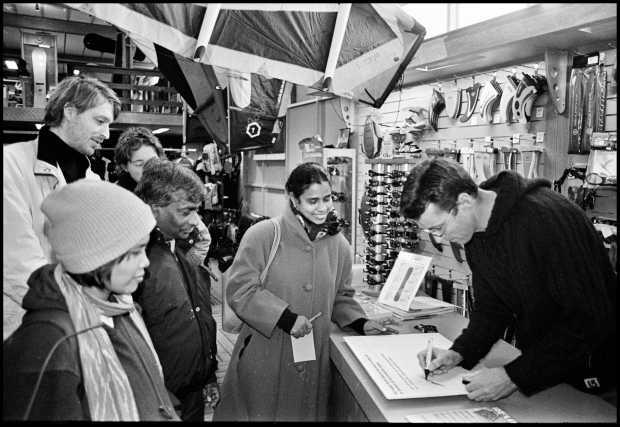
x=339 y=196
x=392 y=174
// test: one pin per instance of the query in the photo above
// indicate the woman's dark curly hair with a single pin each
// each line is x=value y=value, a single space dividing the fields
x=303 y=176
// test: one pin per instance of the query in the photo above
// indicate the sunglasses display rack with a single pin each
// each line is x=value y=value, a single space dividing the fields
x=386 y=231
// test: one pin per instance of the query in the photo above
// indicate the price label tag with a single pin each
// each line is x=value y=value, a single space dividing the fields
x=387 y=150
x=540 y=112
x=488 y=139
x=516 y=138
x=540 y=137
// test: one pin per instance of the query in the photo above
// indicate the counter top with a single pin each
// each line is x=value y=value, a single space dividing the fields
x=561 y=403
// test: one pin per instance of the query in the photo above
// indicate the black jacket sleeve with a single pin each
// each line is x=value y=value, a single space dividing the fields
x=358 y=325
x=60 y=395
x=487 y=322
x=287 y=320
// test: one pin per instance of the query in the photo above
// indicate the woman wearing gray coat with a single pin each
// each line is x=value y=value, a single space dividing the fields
x=310 y=274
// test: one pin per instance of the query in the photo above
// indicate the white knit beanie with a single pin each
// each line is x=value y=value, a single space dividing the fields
x=92 y=222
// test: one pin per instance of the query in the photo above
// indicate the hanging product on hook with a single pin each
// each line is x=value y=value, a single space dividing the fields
x=472 y=93
x=505 y=103
x=437 y=105
x=371 y=145
x=453 y=102
x=527 y=91
x=489 y=99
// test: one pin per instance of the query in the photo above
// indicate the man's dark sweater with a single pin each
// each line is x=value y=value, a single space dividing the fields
x=54 y=151
x=541 y=266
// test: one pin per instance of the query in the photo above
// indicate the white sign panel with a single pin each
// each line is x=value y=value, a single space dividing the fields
x=404 y=280
x=391 y=362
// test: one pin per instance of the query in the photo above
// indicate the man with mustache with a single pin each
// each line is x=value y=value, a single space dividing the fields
x=77 y=121
x=175 y=295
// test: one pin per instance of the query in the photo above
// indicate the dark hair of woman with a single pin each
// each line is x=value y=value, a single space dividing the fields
x=303 y=176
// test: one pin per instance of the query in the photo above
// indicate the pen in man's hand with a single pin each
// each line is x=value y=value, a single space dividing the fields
x=313 y=318
x=429 y=355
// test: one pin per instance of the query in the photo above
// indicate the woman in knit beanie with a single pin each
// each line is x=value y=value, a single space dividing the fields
x=82 y=351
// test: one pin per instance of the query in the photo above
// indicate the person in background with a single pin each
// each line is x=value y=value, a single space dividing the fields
x=310 y=274
x=539 y=267
x=210 y=163
x=135 y=146
x=176 y=295
x=77 y=121
x=109 y=372
x=184 y=159
x=201 y=168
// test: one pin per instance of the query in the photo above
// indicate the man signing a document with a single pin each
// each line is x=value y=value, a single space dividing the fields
x=539 y=268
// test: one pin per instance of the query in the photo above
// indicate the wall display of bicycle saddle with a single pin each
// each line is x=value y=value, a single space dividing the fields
x=386 y=231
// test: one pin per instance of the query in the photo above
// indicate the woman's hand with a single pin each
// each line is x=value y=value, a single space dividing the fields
x=301 y=327
x=375 y=327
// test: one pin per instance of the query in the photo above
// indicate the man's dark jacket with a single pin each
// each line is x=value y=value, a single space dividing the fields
x=175 y=299
x=541 y=267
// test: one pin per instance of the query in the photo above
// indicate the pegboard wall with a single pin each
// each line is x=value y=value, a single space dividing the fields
x=546 y=129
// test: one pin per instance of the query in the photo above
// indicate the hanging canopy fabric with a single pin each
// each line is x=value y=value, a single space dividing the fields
x=197 y=85
x=357 y=51
x=254 y=100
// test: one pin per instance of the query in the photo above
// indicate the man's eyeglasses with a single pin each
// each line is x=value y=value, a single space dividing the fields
x=440 y=229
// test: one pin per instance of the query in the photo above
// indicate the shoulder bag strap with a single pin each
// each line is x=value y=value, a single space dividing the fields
x=274 y=249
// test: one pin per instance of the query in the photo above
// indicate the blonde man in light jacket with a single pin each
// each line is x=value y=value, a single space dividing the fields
x=77 y=119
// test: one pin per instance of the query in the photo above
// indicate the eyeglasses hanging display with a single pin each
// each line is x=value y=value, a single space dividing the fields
x=386 y=231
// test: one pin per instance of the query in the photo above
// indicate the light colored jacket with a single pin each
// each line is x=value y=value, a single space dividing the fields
x=262 y=382
x=26 y=182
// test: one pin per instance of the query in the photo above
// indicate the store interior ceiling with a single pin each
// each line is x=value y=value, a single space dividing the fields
x=71 y=26
x=68 y=25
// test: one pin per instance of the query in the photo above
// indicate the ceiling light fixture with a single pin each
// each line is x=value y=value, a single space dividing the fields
x=11 y=64
x=586 y=30
x=38 y=125
x=160 y=130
